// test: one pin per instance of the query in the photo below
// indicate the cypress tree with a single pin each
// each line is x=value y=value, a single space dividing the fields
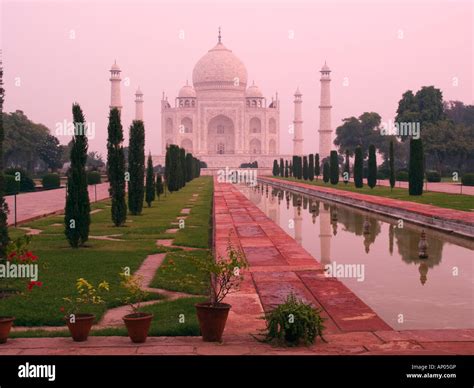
x=294 y=166
x=290 y=167
x=282 y=168
x=326 y=172
x=305 y=168
x=317 y=166
x=167 y=164
x=116 y=168
x=182 y=165
x=415 y=171
x=159 y=185
x=392 y=166
x=136 y=167
x=276 y=170
x=358 y=168
x=311 y=167
x=300 y=167
x=196 y=167
x=170 y=168
x=77 y=211
x=189 y=167
x=347 y=168
x=150 y=181
x=372 y=168
x=4 y=239
x=334 y=168
x=286 y=169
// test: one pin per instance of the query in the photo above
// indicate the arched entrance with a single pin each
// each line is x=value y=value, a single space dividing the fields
x=255 y=146
x=220 y=135
x=187 y=144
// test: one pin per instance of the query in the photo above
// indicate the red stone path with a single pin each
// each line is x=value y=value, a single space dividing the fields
x=41 y=203
x=437 y=342
x=419 y=208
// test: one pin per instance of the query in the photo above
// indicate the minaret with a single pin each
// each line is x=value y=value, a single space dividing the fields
x=115 y=80
x=325 y=235
x=298 y=125
x=298 y=223
x=139 y=105
x=325 y=131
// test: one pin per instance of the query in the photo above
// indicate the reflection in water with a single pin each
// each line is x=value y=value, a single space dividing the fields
x=397 y=281
x=408 y=249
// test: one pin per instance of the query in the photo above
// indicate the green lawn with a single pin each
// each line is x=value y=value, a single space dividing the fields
x=179 y=273
x=170 y=318
x=103 y=260
x=450 y=201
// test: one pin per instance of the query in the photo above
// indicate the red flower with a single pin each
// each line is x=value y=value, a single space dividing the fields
x=62 y=309
x=33 y=283
x=31 y=256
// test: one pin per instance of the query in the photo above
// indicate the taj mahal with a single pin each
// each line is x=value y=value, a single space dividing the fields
x=225 y=120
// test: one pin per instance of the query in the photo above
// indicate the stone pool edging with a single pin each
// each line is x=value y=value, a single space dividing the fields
x=449 y=221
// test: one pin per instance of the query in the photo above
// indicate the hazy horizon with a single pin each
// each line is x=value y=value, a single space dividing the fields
x=376 y=51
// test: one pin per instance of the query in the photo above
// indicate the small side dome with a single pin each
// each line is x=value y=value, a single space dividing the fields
x=115 y=67
x=187 y=91
x=253 y=91
x=325 y=67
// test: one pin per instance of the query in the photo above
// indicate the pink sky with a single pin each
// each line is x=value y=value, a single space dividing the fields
x=359 y=40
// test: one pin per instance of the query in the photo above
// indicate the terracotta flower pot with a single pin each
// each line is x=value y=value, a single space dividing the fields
x=5 y=326
x=212 y=320
x=81 y=327
x=138 y=325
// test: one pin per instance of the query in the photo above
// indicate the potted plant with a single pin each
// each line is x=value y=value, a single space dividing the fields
x=17 y=254
x=78 y=322
x=225 y=277
x=137 y=322
x=293 y=322
x=5 y=327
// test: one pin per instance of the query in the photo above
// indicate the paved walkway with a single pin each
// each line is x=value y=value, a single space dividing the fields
x=423 y=342
x=40 y=203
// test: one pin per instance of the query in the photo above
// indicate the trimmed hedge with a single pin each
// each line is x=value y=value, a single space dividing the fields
x=433 y=176
x=93 y=178
x=11 y=185
x=402 y=176
x=468 y=179
x=51 y=181
x=26 y=183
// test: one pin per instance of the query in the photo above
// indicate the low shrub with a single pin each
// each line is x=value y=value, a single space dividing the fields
x=11 y=185
x=293 y=323
x=433 y=176
x=468 y=179
x=26 y=183
x=93 y=178
x=51 y=181
x=402 y=176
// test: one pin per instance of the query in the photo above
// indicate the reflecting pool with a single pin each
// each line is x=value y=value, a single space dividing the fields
x=378 y=258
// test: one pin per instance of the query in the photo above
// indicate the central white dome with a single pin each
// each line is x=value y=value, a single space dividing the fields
x=219 y=68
